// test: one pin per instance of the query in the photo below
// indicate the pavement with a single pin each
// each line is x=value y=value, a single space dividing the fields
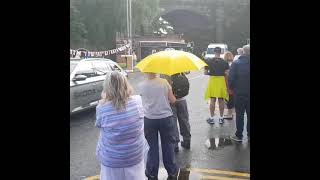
x=212 y=155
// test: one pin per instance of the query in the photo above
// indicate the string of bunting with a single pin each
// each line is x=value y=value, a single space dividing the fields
x=75 y=53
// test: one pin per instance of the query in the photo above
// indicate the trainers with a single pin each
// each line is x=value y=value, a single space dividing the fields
x=150 y=177
x=185 y=144
x=236 y=138
x=174 y=177
x=221 y=120
x=210 y=121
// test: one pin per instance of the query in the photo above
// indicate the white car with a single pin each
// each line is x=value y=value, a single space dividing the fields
x=86 y=78
x=210 y=53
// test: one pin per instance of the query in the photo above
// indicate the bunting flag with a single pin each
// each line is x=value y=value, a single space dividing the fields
x=77 y=54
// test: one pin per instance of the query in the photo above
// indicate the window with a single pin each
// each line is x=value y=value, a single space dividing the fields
x=114 y=67
x=86 y=68
x=101 y=68
x=211 y=51
x=72 y=66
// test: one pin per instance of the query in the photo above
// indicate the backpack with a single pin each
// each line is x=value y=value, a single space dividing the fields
x=180 y=85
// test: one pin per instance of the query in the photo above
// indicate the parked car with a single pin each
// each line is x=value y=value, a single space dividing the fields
x=86 y=78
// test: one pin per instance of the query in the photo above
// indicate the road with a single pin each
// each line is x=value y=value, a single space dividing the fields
x=212 y=155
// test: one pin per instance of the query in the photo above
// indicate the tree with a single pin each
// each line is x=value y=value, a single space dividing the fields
x=237 y=30
x=78 y=31
x=162 y=26
x=97 y=21
x=144 y=13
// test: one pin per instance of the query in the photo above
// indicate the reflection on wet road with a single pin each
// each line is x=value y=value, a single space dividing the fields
x=195 y=173
x=218 y=143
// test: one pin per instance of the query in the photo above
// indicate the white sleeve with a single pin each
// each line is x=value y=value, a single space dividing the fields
x=167 y=84
x=235 y=57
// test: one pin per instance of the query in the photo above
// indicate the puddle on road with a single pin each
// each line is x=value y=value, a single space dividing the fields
x=185 y=174
x=217 y=143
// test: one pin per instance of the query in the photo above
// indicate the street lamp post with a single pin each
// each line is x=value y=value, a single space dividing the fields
x=127 y=6
x=128 y=57
x=131 y=47
x=129 y=24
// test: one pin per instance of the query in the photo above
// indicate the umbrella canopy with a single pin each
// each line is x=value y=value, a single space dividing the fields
x=170 y=62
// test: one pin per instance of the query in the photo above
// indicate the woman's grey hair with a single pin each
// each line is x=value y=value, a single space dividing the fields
x=246 y=49
x=117 y=90
x=240 y=51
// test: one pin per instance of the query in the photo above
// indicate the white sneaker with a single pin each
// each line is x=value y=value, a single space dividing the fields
x=236 y=138
x=210 y=120
x=221 y=120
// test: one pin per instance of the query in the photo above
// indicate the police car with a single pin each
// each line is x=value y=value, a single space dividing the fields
x=86 y=78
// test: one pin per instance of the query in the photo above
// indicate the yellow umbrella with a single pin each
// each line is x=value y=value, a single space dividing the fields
x=170 y=62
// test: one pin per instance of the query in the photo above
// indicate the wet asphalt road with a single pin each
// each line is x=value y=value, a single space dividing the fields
x=211 y=149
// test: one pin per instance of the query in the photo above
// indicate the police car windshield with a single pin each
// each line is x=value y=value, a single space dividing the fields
x=72 y=66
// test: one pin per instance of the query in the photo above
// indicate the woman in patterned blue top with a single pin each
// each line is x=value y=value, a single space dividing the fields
x=121 y=146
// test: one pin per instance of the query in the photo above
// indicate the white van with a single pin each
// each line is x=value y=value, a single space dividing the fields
x=210 y=53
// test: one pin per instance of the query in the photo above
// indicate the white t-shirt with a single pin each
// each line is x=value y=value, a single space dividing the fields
x=236 y=57
x=154 y=94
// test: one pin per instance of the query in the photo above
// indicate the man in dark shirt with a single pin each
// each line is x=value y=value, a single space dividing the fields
x=217 y=69
x=239 y=82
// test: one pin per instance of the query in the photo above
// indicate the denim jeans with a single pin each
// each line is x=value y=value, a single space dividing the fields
x=181 y=115
x=242 y=105
x=165 y=127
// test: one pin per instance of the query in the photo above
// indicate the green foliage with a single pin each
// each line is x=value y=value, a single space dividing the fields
x=238 y=30
x=144 y=13
x=94 y=23
x=78 y=30
x=162 y=26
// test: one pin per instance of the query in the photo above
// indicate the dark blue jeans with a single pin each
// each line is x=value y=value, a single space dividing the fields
x=242 y=105
x=165 y=127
